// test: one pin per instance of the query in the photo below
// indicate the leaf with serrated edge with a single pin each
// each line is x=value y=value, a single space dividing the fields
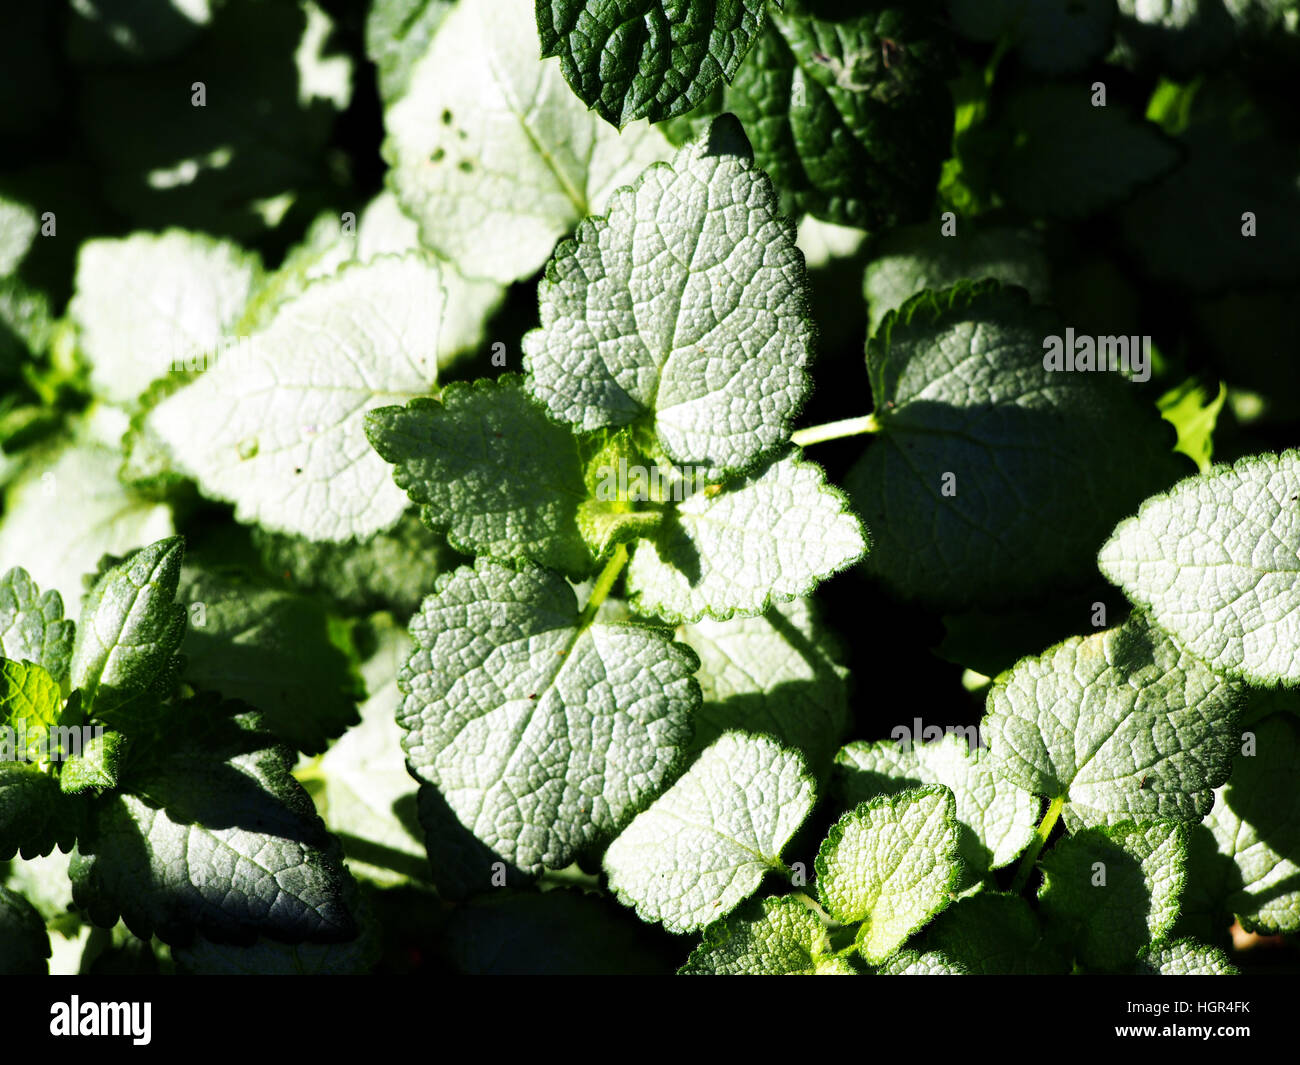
x=1216 y=560
x=685 y=307
x=768 y=538
x=1111 y=891
x=32 y=626
x=149 y=303
x=35 y=816
x=30 y=701
x=1245 y=856
x=1183 y=957
x=490 y=151
x=911 y=259
x=705 y=844
x=1121 y=723
x=767 y=937
x=647 y=58
x=996 y=816
x=851 y=117
x=891 y=864
x=488 y=465
x=779 y=673
x=1042 y=462
x=544 y=733
x=214 y=837
x=277 y=426
x=130 y=627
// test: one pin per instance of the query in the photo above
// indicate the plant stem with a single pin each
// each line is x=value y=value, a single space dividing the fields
x=834 y=430
x=604 y=583
x=1045 y=827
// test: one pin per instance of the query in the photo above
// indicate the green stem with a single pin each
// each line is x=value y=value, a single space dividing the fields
x=834 y=430
x=604 y=584
x=1045 y=827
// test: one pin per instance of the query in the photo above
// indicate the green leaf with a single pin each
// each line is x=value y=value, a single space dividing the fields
x=270 y=957
x=989 y=465
x=1183 y=957
x=850 y=118
x=271 y=649
x=98 y=765
x=1215 y=560
x=1052 y=36
x=391 y=570
x=912 y=963
x=150 y=303
x=1123 y=724
x=996 y=819
x=397 y=34
x=82 y=477
x=557 y=933
x=492 y=154
x=486 y=463
x=460 y=864
x=545 y=732
x=778 y=673
x=30 y=703
x=213 y=836
x=1071 y=159
x=131 y=626
x=890 y=864
x=1190 y=410
x=35 y=816
x=24 y=944
x=647 y=58
x=382 y=229
x=685 y=308
x=277 y=427
x=1244 y=859
x=1108 y=892
x=767 y=937
x=767 y=538
x=912 y=259
x=993 y=934
x=705 y=845
x=32 y=627
x=368 y=798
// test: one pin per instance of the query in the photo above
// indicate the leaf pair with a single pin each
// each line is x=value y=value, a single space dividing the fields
x=885 y=869
x=681 y=316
